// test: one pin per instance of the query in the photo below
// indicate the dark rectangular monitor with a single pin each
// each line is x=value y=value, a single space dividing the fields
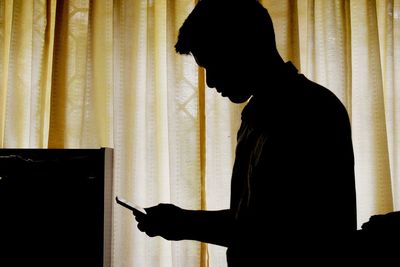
x=55 y=207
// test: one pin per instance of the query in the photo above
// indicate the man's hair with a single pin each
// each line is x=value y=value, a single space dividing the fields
x=223 y=23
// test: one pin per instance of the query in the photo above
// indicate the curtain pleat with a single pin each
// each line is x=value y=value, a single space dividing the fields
x=97 y=116
x=157 y=143
x=5 y=39
x=389 y=40
x=368 y=113
x=18 y=100
x=285 y=18
x=69 y=74
x=104 y=73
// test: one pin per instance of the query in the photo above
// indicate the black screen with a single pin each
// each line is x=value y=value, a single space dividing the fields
x=51 y=207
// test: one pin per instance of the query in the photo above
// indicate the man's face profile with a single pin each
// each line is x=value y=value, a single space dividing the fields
x=226 y=75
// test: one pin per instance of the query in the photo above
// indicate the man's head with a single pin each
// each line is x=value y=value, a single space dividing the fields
x=226 y=37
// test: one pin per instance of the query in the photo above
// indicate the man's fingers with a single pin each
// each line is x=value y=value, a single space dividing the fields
x=151 y=233
x=139 y=217
x=141 y=227
x=149 y=229
x=160 y=220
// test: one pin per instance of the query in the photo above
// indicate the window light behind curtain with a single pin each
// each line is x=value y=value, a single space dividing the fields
x=83 y=73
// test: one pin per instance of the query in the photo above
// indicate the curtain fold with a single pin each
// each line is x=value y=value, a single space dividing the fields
x=388 y=13
x=5 y=26
x=27 y=28
x=157 y=141
x=368 y=113
x=86 y=74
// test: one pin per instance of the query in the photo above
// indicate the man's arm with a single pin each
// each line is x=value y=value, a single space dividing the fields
x=174 y=223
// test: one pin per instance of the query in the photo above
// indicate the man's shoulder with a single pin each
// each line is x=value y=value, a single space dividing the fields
x=317 y=91
x=319 y=98
x=300 y=101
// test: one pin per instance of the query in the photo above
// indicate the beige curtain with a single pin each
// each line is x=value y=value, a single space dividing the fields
x=82 y=74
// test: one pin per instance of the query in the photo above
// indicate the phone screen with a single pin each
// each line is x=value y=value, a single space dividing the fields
x=137 y=210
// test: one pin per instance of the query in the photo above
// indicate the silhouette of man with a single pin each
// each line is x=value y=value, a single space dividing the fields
x=292 y=188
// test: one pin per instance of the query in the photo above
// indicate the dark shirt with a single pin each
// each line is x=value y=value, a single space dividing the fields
x=293 y=186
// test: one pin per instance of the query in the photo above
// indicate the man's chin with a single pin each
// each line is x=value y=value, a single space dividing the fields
x=238 y=99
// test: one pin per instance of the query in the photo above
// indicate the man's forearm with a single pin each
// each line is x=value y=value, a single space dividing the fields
x=213 y=227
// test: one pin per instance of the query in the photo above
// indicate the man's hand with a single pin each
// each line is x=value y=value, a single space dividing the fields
x=165 y=220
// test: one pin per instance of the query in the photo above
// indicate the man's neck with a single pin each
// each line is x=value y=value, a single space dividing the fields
x=272 y=78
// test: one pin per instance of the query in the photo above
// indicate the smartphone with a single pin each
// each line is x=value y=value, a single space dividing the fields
x=137 y=210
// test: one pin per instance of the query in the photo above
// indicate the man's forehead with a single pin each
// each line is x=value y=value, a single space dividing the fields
x=204 y=57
